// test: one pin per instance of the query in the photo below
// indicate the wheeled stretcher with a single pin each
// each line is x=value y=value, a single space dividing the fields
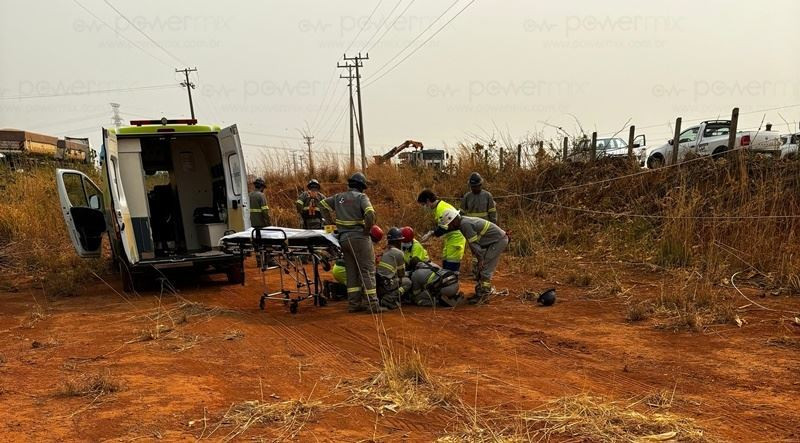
x=288 y=250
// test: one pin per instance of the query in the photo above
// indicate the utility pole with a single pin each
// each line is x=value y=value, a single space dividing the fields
x=115 y=118
x=357 y=64
x=349 y=78
x=189 y=86
x=309 y=141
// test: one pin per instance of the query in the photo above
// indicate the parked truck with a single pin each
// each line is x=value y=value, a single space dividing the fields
x=710 y=138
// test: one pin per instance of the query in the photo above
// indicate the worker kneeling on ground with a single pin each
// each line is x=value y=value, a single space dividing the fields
x=354 y=217
x=412 y=249
x=486 y=241
x=391 y=275
x=308 y=206
x=434 y=286
x=339 y=269
x=454 y=242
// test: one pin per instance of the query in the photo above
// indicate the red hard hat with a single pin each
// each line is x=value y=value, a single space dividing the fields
x=376 y=233
x=408 y=234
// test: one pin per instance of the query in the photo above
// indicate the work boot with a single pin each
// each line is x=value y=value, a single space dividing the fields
x=356 y=308
x=453 y=301
x=375 y=307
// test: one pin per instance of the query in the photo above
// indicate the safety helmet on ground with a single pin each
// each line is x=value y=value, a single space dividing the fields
x=448 y=216
x=408 y=234
x=259 y=183
x=394 y=234
x=357 y=180
x=376 y=233
x=475 y=179
x=313 y=184
x=547 y=298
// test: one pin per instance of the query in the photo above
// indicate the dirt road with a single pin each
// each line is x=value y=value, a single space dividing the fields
x=179 y=384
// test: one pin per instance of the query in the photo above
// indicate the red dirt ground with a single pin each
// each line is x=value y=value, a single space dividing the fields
x=507 y=354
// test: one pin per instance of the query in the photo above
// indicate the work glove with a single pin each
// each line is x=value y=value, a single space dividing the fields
x=426 y=236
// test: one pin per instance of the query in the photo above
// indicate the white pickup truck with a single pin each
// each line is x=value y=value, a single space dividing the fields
x=711 y=138
x=789 y=146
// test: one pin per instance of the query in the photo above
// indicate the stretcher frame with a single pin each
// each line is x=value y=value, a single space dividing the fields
x=296 y=283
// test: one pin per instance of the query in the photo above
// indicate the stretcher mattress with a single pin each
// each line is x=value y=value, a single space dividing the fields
x=274 y=235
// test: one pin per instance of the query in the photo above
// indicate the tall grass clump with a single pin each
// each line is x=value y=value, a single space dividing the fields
x=36 y=248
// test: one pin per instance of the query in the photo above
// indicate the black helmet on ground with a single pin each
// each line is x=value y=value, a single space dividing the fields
x=394 y=234
x=358 y=181
x=313 y=184
x=475 y=179
x=547 y=298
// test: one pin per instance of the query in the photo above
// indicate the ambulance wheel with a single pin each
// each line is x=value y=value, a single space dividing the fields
x=293 y=307
x=322 y=301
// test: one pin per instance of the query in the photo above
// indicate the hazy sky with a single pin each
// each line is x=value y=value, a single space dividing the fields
x=500 y=66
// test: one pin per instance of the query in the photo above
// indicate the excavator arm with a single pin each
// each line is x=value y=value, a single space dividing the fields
x=379 y=159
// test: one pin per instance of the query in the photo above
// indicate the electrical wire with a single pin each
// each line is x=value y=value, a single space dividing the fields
x=363 y=26
x=107 y=2
x=379 y=27
x=91 y=92
x=121 y=35
x=421 y=45
x=402 y=13
x=394 y=57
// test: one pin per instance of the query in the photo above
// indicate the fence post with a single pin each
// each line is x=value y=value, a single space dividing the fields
x=501 y=158
x=593 y=151
x=566 y=147
x=676 y=140
x=734 y=128
x=519 y=155
x=631 y=136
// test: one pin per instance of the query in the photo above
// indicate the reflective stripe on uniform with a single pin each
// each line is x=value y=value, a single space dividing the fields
x=371 y=291
x=485 y=228
x=431 y=278
x=325 y=205
x=473 y=239
x=368 y=209
x=352 y=290
x=255 y=210
x=388 y=267
x=492 y=209
x=486 y=284
x=350 y=222
x=477 y=214
x=300 y=202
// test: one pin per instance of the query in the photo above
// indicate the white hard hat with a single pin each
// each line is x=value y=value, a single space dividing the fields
x=448 y=216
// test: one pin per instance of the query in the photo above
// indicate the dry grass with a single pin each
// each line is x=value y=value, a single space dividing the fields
x=90 y=385
x=694 y=305
x=405 y=383
x=41 y=252
x=639 y=311
x=49 y=343
x=573 y=418
x=785 y=341
x=233 y=334
x=290 y=415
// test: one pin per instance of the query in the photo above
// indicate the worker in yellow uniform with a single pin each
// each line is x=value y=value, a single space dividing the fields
x=454 y=241
x=259 y=209
x=413 y=251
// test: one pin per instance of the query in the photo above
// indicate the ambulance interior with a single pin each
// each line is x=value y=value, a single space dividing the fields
x=176 y=192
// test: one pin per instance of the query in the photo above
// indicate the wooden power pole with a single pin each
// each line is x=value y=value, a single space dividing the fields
x=356 y=64
x=189 y=86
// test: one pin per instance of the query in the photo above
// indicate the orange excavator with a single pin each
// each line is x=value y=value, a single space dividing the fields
x=380 y=159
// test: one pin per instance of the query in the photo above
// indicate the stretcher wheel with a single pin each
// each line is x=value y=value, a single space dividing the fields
x=293 y=307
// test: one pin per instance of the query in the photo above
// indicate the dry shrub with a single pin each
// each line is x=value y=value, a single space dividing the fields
x=639 y=311
x=33 y=236
x=784 y=341
x=90 y=385
x=406 y=383
x=292 y=415
x=694 y=306
x=581 y=279
x=573 y=418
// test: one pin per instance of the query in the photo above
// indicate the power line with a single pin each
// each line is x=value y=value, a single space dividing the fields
x=363 y=26
x=143 y=33
x=391 y=26
x=119 y=34
x=379 y=27
x=90 y=92
x=421 y=45
x=400 y=52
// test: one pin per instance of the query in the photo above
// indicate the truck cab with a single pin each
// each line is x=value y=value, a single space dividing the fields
x=171 y=189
